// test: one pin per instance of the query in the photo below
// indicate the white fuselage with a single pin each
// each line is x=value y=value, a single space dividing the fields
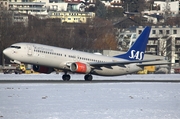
x=55 y=57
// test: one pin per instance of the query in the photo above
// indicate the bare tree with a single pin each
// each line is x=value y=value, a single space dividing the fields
x=161 y=43
x=105 y=42
x=167 y=10
x=5 y=23
x=100 y=10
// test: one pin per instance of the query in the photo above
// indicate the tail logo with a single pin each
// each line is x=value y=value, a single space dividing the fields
x=136 y=55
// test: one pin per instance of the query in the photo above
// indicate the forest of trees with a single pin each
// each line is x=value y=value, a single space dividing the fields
x=98 y=35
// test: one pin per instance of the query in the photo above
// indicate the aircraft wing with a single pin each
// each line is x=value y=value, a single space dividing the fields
x=120 y=63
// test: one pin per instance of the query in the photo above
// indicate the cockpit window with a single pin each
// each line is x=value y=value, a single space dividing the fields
x=17 y=47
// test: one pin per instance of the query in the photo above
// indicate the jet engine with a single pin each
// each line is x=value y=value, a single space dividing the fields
x=42 y=69
x=79 y=67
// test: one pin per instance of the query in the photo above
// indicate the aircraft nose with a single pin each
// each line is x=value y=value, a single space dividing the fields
x=5 y=51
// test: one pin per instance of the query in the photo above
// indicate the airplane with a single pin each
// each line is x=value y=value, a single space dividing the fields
x=46 y=58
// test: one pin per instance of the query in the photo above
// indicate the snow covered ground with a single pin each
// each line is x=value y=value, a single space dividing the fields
x=81 y=77
x=89 y=100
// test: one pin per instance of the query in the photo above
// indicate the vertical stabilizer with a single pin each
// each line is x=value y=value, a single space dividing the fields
x=137 y=50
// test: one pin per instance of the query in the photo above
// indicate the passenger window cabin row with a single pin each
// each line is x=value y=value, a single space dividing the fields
x=70 y=56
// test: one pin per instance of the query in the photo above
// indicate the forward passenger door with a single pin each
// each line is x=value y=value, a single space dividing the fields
x=29 y=52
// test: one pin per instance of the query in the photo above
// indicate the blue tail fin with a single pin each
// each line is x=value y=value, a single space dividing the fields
x=136 y=51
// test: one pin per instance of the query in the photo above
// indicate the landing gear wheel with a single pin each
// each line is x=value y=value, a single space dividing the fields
x=88 y=77
x=66 y=77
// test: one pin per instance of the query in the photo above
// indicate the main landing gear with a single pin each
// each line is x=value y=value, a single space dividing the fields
x=88 y=77
x=67 y=77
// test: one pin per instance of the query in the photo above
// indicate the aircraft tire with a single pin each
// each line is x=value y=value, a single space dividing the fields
x=66 y=77
x=88 y=77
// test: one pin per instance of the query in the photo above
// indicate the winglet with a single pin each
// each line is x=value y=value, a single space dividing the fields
x=137 y=50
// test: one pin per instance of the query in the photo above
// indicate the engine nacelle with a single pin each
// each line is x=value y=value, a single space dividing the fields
x=79 y=67
x=42 y=69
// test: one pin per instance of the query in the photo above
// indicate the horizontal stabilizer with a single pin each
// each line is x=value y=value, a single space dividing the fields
x=154 y=63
